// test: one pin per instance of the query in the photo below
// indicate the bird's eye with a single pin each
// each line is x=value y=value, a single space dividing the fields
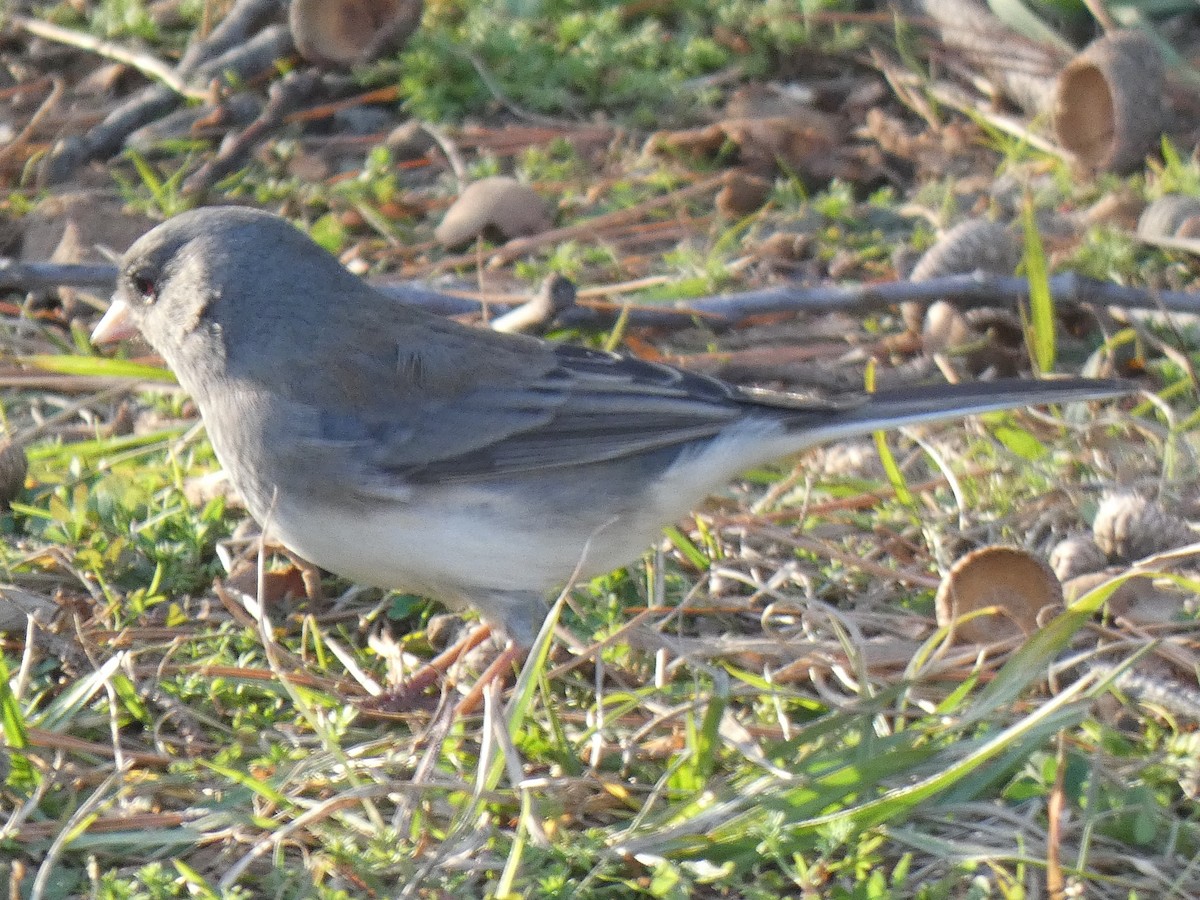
x=145 y=287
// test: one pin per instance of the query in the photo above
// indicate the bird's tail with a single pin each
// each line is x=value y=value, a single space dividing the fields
x=908 y=406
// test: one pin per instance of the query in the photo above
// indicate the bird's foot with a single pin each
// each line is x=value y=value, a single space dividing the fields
x=413 y=693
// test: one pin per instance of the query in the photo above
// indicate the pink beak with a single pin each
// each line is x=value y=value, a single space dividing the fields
x=115 y=326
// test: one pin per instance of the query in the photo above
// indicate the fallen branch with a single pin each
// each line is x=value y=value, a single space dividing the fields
x=966 y=291
x=43 y=276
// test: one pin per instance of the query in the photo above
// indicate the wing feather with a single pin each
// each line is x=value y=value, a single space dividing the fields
x=579 y=407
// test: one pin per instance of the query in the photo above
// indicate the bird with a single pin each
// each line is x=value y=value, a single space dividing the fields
x=403 y=450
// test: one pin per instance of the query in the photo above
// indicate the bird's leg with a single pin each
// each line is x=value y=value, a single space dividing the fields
x=406 y=696
x=500 y=667
x=310 y=575
x=521 y=615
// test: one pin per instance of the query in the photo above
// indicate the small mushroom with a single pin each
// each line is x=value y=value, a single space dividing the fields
x=970 y=246
x=1076 y=555
x=497 y=203
x=1108 y=103
x=742 y=194
x=984 y=339
x=1129 y=527
x=1019 y=586
x=1139 y=600
x=945 y=328
x=557 y=293
x=333 y=33
x=1167 y=216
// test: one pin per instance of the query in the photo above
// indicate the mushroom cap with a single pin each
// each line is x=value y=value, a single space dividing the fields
x=1076 y=555
x=1016 y=583
x=1167 y=215
x=971 y=245
x=1108 y=103
x=498 y=202
x=336 y=33
x=1129 y=527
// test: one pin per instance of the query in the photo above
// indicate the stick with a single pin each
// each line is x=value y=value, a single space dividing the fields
x=150 y=66
x=966 y=291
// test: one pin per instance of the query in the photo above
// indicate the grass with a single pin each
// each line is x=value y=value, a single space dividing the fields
x=711 y=767
x=763 y=706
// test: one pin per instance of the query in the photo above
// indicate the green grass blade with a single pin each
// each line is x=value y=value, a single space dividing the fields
x=1041 y=303
x=15 y=737
x=98 y=367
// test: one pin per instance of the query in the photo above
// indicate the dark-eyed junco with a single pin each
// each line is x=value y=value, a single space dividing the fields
x=403 y=450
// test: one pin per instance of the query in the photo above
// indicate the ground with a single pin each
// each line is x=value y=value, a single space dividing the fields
x=765 y=705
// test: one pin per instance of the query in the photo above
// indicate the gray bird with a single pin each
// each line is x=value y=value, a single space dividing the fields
x=403 y=450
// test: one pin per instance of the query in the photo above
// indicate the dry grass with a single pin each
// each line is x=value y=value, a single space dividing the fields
x=764 y=706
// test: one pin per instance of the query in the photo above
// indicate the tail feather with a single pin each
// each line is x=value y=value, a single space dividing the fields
x=908 y=406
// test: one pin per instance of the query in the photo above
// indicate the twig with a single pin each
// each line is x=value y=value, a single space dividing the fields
x=104 y=139
x=515 y=249
x=58 y=741
x=457 y=164
x=241 y=62
x=621 y=237
x=327 y=110
x=1101 y=15
x=510 y=139
x=243 y=20
x=951 y=96
x=967 y=291
x=21 y=141
x=26 y=87
x=150 y=66
x=283 y=95
x=623 y=287
x=503 y=99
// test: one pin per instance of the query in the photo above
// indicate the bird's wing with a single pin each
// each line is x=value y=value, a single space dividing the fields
x=539 y=407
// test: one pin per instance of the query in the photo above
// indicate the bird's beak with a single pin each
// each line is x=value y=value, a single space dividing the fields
x=116 y=324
